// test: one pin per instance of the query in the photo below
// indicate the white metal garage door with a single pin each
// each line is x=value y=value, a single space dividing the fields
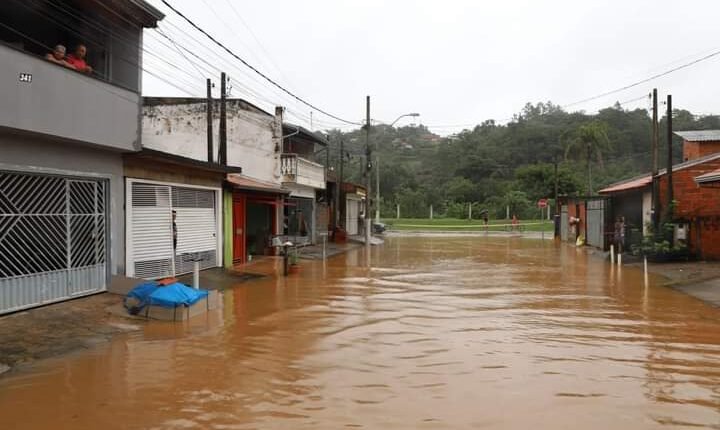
x=352 y=216
x=53 y=239
x=151 y=251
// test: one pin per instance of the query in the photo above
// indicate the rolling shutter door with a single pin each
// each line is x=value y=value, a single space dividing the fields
x=151 y=241
x=196 y=228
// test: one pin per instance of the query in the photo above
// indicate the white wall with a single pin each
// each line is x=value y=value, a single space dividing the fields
x=181 y=129
x=646 y=211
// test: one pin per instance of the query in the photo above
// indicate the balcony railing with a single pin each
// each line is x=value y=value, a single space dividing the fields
x=297 y=170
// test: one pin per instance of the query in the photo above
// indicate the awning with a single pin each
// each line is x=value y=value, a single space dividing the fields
x=241 y=182
x=710 y=177
x=180 y=162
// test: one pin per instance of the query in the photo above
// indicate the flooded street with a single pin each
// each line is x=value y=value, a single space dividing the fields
x=432 y=332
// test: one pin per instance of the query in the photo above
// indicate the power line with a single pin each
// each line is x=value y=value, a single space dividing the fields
x=648 y=79
x=251 y=67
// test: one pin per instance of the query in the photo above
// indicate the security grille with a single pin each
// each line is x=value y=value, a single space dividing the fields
x=52 y=239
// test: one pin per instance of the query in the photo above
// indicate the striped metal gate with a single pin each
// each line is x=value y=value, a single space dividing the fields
x=151 y=250
x=596 y=223
x=53 y=239
x=564 y=223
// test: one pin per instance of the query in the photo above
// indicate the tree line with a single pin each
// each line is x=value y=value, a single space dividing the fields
x=498 y=166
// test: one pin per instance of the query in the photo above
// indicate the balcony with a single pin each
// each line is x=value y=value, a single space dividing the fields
x=297 y=170
x=42 y=97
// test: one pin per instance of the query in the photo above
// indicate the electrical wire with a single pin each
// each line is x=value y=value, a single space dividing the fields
x=251 y=67
x=648 y=79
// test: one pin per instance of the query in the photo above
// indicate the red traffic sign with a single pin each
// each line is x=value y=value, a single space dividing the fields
x=542 y=203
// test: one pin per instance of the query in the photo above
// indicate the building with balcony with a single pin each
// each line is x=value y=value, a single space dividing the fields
x=63 y=133
x=252 y=201
x=307 y=210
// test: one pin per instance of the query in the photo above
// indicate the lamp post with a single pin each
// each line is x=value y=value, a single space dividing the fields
x=377 y=166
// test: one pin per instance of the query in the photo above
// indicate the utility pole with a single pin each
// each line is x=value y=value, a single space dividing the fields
x=210 y=151
x=557 y=205
x=368 y=151
x=669 y=159
x=655 y=163
x=341 y=220
x=222 y=159
x=377 y=182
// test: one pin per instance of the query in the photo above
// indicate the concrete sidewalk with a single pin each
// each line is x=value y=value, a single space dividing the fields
x=700 y=279
x=315 y=252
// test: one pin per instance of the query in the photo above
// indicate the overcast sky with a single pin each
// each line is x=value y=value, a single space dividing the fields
x=454 y=62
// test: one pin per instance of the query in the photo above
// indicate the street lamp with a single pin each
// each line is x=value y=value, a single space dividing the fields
x=377 y=166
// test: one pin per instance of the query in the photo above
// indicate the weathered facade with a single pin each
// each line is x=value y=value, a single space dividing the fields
x=252 y=202
x=62 y=136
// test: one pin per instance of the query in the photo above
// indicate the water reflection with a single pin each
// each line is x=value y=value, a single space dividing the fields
x=434 y=333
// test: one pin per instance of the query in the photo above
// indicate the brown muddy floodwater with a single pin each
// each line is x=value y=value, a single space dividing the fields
x=434 y=333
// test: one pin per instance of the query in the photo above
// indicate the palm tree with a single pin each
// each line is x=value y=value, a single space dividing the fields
x=588 y=141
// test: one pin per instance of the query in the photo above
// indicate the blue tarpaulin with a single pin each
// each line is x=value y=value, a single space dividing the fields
x=170 y=296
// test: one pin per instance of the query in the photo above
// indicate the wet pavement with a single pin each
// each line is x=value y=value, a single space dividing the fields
x=429 y=332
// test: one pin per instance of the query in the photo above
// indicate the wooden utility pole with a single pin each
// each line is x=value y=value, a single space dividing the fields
x=656 y=163
x=669 y=159
x=557 y=205
x=341 y=211
x=368 y=158
x=210 y=151
x=222 y=159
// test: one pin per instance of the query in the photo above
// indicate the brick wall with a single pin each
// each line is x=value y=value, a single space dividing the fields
x=700 y=206
x=693 y=150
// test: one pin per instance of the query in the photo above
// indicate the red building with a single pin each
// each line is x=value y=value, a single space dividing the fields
x=695 y=192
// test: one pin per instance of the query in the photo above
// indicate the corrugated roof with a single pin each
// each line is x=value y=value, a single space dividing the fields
x=713 y=176
x=699 y=135
x=643 y=180
x=291 y=128
x=245 y=183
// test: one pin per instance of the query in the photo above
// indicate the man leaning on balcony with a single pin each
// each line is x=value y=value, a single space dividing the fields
x=77 y=59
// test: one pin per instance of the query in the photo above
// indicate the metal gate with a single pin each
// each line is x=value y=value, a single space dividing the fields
x=596 y=223
x=564 y=223
x=53 y=239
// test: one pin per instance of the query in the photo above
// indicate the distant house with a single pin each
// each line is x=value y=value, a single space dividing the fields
x=698 y=205
x=697 y=144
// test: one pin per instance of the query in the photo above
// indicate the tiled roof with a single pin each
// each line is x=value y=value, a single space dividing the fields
x=641 y=181
x=628 y=185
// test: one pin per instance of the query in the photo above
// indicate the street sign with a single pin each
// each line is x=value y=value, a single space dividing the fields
x=542 y=203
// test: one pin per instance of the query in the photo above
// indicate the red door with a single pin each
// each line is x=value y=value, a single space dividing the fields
x=239 y=203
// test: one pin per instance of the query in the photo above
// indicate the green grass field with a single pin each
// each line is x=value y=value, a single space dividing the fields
x=452 y=224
